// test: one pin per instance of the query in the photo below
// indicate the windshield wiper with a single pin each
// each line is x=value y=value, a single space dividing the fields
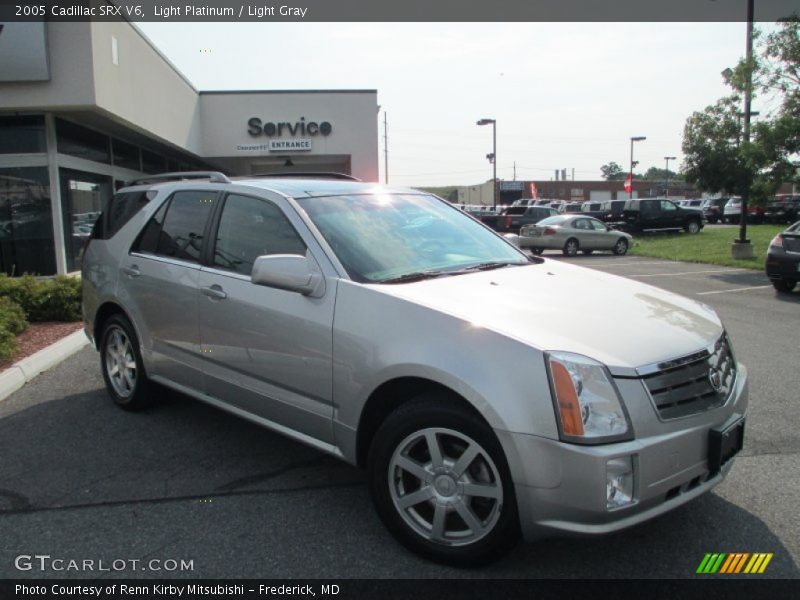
x=488 y=266
x=415 y=276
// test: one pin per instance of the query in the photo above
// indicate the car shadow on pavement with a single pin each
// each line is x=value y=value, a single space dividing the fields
x=69 y=462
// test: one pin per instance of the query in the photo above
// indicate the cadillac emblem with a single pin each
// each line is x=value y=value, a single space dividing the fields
x=715 y=379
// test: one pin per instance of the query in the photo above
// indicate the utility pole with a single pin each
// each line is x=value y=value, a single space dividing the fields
x=666 y=175
x=385 y=149
x=748 y=97
x=515 y=171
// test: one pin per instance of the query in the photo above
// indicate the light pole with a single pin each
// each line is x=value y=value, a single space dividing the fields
x=666 y=175
x=492 y=157
x=638 y=138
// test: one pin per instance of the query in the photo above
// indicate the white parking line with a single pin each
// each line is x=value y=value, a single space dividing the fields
x=611 y=263
x=688 y=273
x=744 y=289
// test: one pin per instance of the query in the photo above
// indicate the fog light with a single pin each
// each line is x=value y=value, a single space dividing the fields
x=619 y=482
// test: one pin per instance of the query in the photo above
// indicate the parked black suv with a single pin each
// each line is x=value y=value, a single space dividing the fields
x=660 y=214
x=785 y=208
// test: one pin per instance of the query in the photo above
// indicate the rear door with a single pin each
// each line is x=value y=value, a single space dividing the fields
x=265 y=350
x=671 y=216
x=158 y=286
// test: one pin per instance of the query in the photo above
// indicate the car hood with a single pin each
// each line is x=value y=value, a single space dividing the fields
x=557 y=306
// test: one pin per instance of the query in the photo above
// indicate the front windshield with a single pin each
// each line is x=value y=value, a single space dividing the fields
x=380 y=237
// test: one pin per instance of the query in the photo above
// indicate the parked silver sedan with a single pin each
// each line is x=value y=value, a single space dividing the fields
x=572 y=234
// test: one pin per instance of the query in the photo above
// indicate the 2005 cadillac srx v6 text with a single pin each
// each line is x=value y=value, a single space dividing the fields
x=389 y=328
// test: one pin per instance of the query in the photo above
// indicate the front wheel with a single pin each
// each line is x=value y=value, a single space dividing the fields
x=441 y=484
x=122 y=366
x=782 y=285
x=621 y=247
x=571 y=247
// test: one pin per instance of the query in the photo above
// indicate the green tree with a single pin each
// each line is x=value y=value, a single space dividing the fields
x=612 y=172
x=656 y=174
x=716 y=158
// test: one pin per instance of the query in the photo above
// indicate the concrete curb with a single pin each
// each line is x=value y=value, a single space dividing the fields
x=23 y=371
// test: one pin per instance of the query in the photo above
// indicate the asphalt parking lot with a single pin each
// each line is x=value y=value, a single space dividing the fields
x=81 y=479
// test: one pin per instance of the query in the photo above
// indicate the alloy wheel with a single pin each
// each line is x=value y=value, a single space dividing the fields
x=445 y=486
x=120 y=362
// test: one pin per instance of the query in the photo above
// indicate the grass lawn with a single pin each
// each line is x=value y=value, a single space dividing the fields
x=712 y=245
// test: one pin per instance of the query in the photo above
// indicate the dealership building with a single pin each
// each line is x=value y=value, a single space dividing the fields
x=86 y=107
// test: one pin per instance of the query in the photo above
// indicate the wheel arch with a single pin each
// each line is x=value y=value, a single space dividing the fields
x=105 y=312
x=392 y=394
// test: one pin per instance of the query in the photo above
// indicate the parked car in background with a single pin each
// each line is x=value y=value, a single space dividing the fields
x=784 y=208
x=660 y=214
x=732 y=211
x=572 y=234
x=611 y=210
x=570 y=207
x=515 y=217
x=385 y=327
x=713 y=209
x=691 y=203
x=783 y=259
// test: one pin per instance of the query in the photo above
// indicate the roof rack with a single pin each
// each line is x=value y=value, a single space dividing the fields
x=306 y=175
x=212 y=176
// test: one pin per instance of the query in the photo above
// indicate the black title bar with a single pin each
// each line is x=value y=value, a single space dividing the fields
x=266 y=11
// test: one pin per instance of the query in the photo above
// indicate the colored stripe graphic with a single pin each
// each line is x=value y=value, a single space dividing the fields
x=724 y=563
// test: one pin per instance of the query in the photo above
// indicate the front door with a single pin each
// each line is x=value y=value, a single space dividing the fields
x=265 y=350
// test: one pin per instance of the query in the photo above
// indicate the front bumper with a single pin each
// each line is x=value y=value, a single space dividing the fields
x=561 y=488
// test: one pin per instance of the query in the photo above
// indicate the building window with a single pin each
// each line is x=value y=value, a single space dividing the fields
x=153 y=163
x=83 y=197
x=126 y=155
x=22 y=135
x=81 y=142
x=26 y=224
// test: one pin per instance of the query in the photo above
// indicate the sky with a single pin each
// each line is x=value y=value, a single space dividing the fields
x=564 y=95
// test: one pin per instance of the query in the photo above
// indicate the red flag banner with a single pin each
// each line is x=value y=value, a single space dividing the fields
x=534 y=191
x=629 y=183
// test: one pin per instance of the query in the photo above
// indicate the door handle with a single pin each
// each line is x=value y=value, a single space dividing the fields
x=132 y=271
x=214 y=291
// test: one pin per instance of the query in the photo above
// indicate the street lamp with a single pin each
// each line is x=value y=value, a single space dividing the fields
x=493 y=156
x=638 y=138
x=666 y=175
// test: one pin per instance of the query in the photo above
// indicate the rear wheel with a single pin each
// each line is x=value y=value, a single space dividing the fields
x=441 y=484
x=122 y=366
x=621 y=247
x=692 y=226
x=571 y=247
x=783 y=285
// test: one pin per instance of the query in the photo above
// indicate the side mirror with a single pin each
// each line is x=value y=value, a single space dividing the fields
x=289 y=272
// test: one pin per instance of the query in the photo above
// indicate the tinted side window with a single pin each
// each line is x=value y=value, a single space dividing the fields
x=123 y=207
x=148 y=239
x=182 y=233
x=250 y=227
x=667 y=205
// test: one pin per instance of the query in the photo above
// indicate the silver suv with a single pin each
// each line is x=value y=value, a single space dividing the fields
x=388 y=328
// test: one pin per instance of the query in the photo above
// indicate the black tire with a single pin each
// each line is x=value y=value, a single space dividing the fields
x=587 y=252
x=412 y=421
x=784 y=286
x=692 y=227
x=571 y=247
x=621 y=247
x=116 y=329
x=537 y=251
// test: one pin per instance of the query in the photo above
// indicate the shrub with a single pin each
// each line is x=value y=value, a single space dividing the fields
x=12 y=322
x=12 y=317
x=56 y=299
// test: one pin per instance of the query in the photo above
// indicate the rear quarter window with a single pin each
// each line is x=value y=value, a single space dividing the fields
x=121 y=209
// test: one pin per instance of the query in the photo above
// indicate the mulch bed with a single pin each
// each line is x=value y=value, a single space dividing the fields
x=38 y=336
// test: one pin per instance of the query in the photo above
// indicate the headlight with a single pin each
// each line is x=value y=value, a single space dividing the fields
x=588 y=405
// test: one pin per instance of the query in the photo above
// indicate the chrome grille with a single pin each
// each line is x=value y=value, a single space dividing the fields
x=693 y=384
